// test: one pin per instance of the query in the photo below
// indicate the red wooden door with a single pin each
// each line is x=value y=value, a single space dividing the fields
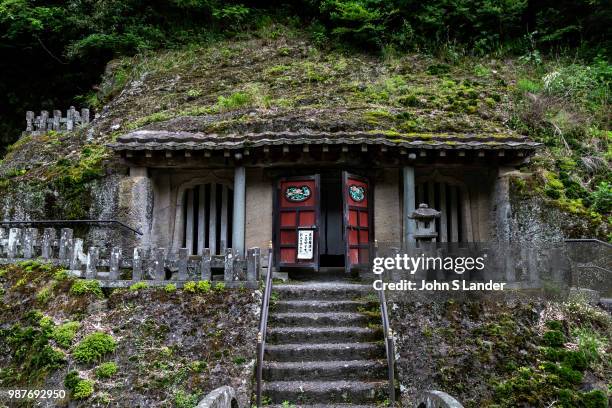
x=357 y=220
x=297 y=220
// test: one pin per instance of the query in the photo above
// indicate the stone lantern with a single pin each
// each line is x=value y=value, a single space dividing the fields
x=425 y=222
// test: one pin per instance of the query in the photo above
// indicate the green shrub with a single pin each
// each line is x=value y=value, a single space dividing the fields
x=554 y=325
x=85 y=286
x=526 y=85
x=594 y=399
x=554 y=338
x=94 y=347
x=64 y=334
x=590 y=343
x=235 y=100
x=106 y=370
x=71 y=380
x=78 y=387
x=184 y=400
x=138 y=286
x=170 y=288
x=220 y=287
x=83 y=389
x=204 y=286
x=575 y=360
x=601 y=198
x=60 y=275
x=190 y=287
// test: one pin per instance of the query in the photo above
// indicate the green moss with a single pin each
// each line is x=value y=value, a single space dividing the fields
x=153 y=118
x=32 y=355
x=220 y=287
x=85 y=286
x=190 y=287
x=204 y=286
x=138 y=286
x=182 y=399
x=44 y=295
x=170 y=288
x=94 y=347
x=64 y=334
x=83 y=389
x=554 y=338
x=234 y=101
x=106 y=370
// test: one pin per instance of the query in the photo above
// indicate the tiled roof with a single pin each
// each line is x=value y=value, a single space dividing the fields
x=169 y=140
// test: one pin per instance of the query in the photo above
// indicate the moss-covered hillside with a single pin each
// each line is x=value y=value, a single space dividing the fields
x=131 y=347
x=505 y=353
x=277 y=79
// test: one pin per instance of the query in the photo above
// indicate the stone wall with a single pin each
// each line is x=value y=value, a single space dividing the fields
x=387 y=206
x=259 y=209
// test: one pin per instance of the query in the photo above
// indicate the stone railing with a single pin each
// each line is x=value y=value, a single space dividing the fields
x=222 y=397
x=56 y=121
x=436 y=399
x=155 y=266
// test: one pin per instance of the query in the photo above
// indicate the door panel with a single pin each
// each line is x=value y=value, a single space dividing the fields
x=357 y=220
x=297 y=209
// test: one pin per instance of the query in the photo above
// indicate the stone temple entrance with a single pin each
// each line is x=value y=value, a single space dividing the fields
x=323 y=220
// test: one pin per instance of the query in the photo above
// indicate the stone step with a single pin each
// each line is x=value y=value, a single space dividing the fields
x=323 y=351
x=304 y=306
x=325 y=370
x=309 y=392
x=322 y=291
x=320 y=406
x=320 y=319
x=283 y=335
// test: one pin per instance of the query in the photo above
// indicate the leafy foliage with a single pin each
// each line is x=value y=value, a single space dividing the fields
x=85 y=286
x=106 y=370
x=53 y=52
x=93 y=347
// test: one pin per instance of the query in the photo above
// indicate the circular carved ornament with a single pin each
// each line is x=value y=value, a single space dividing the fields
x=297 y=193
x=357 y=193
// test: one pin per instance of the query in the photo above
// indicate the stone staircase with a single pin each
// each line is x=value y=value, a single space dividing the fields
x=324 y=346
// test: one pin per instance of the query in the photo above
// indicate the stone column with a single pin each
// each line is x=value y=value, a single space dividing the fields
x=136 y=205
x=239 y=210
x=501 y=204
x=409 y=197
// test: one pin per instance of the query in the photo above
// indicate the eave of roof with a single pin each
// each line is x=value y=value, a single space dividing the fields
x=152 y=140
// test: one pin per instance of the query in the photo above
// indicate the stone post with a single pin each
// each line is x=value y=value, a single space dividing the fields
x=136 y=206
x=408 y=208
x=239 y=210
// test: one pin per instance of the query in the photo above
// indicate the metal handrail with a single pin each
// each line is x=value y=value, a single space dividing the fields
x=263 y=324
x=595 y=240
x=388 y=333
x=65 y=222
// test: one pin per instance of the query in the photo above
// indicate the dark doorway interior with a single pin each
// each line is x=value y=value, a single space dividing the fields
x=331 y=247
